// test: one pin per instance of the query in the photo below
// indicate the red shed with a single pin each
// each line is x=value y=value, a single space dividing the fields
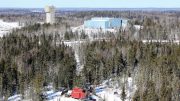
x=78 y=93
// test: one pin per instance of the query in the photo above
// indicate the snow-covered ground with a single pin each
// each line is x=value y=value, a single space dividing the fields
x=109 y=90
x=75 y=46
x=62 y=98
x=113 y=91
x=17 y=97
x=91 y=32
x=161 y=41
x=138 y=27
x=6 y=27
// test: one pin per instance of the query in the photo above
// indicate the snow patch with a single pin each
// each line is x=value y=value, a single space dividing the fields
x=114 y=92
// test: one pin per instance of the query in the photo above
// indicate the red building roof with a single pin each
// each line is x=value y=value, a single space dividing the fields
x=78 y=93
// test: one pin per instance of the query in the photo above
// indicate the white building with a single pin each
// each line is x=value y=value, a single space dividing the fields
x=7 y=27
x=50 y=14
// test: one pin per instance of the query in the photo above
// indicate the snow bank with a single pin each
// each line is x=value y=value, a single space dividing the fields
x=62 y=98
x=17 y=97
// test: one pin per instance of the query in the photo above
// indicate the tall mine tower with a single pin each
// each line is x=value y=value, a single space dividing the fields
x=50 y=14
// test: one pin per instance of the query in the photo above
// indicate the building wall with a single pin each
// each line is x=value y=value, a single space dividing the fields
x=104 y=23
x=124 y=22
x=50 y=14
x=50 y=17
x=96 y=24
x=116 y=22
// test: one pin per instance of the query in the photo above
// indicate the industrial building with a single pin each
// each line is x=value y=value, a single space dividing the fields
x=7 y=27
x=105 y=23
x=50 y=14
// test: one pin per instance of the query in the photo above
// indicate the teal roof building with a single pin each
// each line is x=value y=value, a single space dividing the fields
x=104 y=23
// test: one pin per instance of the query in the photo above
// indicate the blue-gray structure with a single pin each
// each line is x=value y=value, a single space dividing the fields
x=105 y=23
